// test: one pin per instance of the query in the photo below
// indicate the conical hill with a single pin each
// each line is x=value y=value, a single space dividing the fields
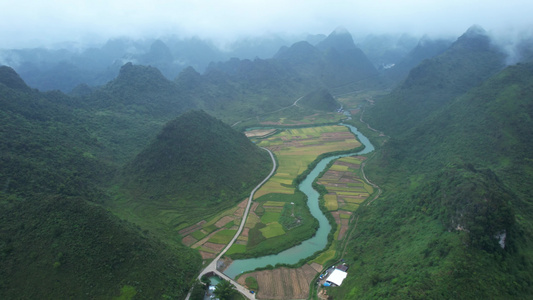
x=196 y=161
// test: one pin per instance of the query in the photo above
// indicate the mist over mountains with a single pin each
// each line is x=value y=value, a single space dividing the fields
x=66 y=68
x=109 y=151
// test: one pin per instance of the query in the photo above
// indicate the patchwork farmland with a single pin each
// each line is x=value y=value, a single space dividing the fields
x=346 y=191
x=277 y=207
x=279 y=213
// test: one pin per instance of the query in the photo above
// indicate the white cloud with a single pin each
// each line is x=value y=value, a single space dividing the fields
x=28 y=22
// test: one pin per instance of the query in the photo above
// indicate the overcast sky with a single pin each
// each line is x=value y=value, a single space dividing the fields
x=32 y=23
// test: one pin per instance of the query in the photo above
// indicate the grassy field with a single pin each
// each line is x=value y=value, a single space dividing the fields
x=331 y=202
x=222 y=236
x=296 y=148
x=272 y=229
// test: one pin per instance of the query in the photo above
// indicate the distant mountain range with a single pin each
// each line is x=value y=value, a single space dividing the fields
x=470 y=60
x=453 y=220
x=64 y=69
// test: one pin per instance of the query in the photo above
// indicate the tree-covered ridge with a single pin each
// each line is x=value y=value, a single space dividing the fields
x=45 y=147
x=435 y=82
x=53 y=170
x=425 y=49
x=440 y=240
x=197 y=165
x=454 y=220
x=11 y=79
x=320 y=100
x=64 y=248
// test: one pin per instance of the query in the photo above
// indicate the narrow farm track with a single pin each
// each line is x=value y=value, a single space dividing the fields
x=363 y=164
x=368 y=125
x=371 y=183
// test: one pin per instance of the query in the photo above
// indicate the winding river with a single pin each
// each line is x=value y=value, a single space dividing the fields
x=319 y=240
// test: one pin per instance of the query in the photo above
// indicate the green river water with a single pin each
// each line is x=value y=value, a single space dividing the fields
x=317 y=242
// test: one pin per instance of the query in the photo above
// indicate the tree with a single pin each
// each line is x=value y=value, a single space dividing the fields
x=225 y=290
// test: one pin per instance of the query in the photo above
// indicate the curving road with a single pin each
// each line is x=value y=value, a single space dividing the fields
x=212 y=267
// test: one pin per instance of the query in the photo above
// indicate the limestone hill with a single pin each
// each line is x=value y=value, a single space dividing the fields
x=196 y=166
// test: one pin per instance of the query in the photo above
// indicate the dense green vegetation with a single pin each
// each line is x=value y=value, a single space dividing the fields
x=45 y=148
x=320 y=100
x=225 y=290
x=54 y=238
x=63 y=247
x=454 y=220
x=197 y=166
x=435 y=82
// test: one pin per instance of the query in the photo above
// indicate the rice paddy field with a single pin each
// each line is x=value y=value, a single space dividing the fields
x=296 y=148
x=277 y=208
x=346 y=191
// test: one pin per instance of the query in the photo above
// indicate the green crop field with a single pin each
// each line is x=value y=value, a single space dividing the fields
x=345 y=216
x=350 y=206
x=274 y=209
x=236 y=248
x=356 y=200
x=274 y=203
x=272 y=230
x=199 y=234
x=222 y=237
x=331 y=202
x=369 y=188
x=340 y=168
x=325 y=256
x=270 y=217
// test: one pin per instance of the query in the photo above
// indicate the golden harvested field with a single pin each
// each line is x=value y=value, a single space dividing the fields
x=283 y=283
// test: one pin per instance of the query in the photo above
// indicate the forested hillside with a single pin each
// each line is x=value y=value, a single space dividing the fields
x=196 y=166
x=53 y=237
x=453 y=221
x=320 y=100
x=435 y=82
x=95 y=186
x=45 y=147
